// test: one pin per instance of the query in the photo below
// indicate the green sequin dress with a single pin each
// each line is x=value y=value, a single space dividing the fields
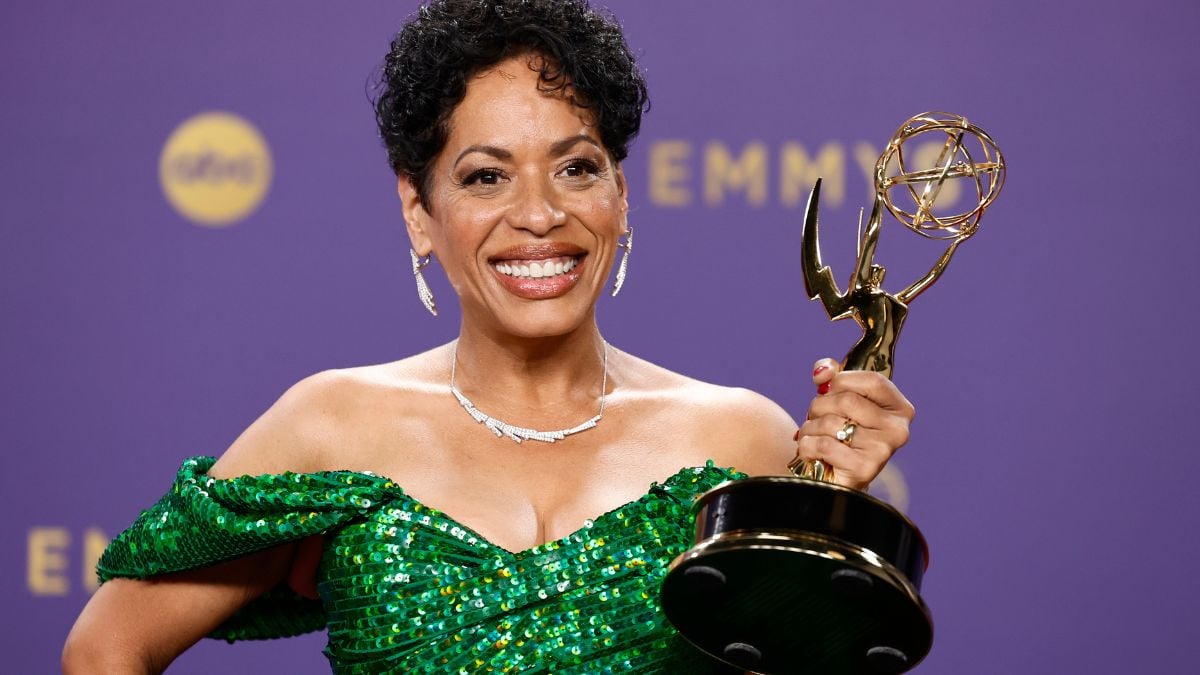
x=406 y=589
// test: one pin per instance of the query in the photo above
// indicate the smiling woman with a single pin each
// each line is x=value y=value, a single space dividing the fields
x=522 y=186
x=371 y=502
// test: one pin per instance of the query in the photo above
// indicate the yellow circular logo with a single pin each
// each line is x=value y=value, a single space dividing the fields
x=215 y=169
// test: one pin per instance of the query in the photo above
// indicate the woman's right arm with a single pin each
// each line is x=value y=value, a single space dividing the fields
x=141 y=626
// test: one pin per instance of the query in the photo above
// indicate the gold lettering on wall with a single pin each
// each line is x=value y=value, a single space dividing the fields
x=798 y=172
x=670 y=173
x=47 y=561
x=679 y=170
x=50 y=553
x=747 y=173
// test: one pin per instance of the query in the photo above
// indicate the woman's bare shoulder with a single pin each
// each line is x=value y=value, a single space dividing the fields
x=656 y=382
x=737 y=426
x=316 y=419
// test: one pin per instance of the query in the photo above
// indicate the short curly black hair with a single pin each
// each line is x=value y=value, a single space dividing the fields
x=584 y=56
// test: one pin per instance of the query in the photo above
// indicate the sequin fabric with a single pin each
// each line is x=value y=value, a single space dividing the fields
x=406 y=589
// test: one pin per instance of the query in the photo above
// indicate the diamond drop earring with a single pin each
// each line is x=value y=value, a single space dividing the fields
x=628 y=246
x=423 y=292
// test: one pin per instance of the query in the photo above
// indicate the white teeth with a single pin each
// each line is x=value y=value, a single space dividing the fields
x=537 y=269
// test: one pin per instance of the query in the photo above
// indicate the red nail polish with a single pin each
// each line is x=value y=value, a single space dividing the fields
x=819 y=370
x=824 y=388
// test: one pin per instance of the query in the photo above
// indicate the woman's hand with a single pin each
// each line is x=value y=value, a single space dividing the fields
x=879 y=415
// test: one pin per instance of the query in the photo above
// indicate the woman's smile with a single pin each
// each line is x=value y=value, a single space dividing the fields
x=539 y=271
x=537 y=268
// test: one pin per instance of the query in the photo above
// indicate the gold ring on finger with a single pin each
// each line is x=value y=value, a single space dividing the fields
x=845 y=435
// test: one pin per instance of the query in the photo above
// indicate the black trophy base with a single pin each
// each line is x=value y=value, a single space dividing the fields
x=779 y=600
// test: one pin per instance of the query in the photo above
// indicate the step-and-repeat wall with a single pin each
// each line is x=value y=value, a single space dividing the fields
x=197 y=213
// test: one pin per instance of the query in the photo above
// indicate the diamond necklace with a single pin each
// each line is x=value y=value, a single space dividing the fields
x=519 y=434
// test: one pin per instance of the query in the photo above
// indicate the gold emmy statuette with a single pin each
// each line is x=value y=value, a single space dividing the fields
x=798 y=574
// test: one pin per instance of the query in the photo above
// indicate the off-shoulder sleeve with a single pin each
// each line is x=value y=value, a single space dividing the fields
x=203 y=521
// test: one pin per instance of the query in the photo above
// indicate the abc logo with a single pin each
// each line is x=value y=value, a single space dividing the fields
x=215 y=169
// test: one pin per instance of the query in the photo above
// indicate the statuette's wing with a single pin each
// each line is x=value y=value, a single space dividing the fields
x=818 y=278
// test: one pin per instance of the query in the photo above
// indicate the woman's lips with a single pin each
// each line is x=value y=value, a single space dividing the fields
x=538 y=279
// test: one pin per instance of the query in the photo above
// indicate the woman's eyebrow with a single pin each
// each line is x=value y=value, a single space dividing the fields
x=561 y=147
x=498 y=153
x=557 y=148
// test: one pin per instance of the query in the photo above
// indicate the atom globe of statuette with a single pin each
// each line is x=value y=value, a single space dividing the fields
x=968 y=157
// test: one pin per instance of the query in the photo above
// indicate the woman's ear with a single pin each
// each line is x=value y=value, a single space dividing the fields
x=623 y=189
x=416 y=217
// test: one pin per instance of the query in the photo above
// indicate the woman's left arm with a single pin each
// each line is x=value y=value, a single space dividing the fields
x=869 y=411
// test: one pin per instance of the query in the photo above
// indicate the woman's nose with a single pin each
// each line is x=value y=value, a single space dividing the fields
x=537 y=209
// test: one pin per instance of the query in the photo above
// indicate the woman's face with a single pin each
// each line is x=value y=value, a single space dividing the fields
x=525 y=206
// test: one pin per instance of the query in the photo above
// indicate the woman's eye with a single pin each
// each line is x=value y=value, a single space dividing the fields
x=581 y=167
x=483 y=177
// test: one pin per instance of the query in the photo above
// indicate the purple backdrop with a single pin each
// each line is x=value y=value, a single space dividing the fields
x=1050 y=468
